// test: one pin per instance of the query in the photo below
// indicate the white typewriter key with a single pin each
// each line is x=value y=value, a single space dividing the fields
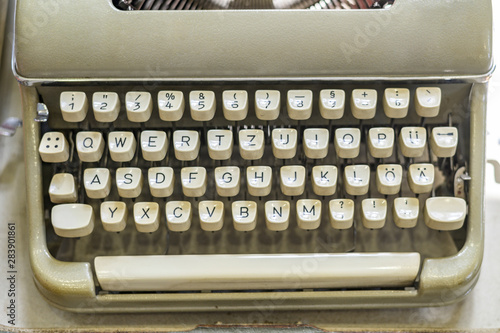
x=244 y=215
x=72 y=220
x=89 y=146
x=332 y=103
x=381 y=141
x=54 y=148
x=139 y=106
x=202 y=104
x=146 y=216
x=316 y=142
x=389 y=177
x=186 y=145
x=154 y=145
x=170 y=105
x=396 y=102
x=347 y=142
x=405 y=212
x=227 y=181
x=308 y=214
x=299 y=104
x=114 y=215
x=341 y=213
x=284 y=142
x=235 y=104
x=220 y=144
x=277 y=215
x=421 y=177
x=211 y=215
x=363 y=103
x=292 y=180
x=194 y=181
x=445 y=213
x=179 y=215
x=62 y=188
x=161 y=181
x=251 y=144
x=267 y=104
x=121 y=146
x=374 y=213
x=357 y=179
x=324 y=179
x=74 y=106
x=129 y=182
x=412 y=141
x=259 y=180
x=97 y=182
x=106 y=106
x=427 y=101
x=444 y=141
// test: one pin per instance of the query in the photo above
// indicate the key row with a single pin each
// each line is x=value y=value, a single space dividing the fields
x=259 y=181
x=440 y=213
x=202 y=104
x=154 y=145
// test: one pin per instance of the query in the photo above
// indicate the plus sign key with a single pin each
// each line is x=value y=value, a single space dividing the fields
x=363 y=103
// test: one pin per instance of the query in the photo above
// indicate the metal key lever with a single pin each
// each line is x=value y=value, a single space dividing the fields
x=9 y=126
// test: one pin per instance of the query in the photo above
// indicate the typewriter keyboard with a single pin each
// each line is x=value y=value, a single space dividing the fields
x=284 y=169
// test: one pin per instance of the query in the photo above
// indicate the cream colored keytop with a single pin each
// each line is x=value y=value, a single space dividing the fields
x=202 y=103
x=292 y=180
x=62 y=188
x=97 y=182
x=381 y=142
x=179 y=215
x=284 y=142
x=445 y=213
x=194 y=181
x=186 y=145
x=341 y=213
x=324 y=179
x=227 y=181
x=427 y=101
x=347 y=142
x=121 y=146
x=171 y=105
x=139 y=106
x=315 y=142
x=161 y=181
x=444 y=141
x=54 y=148
x=405 y=212
x=299 y=104
x=244 y=215
x=235 y=104
x=332 y=103
x=363 y=103
x=259 y=180
x=74 y=106
x=374 y=213
x=277 y=215
x=154 y=145
x=89 y=146
x=211 y=214
x=308 y=213
x=106 y=106
x=357 y=179
x=220 y=144
x=146 y=216
x=421 y=177
x=389 y=177
x=267 y=104
x=412 y=141
x=72 y=220
x=396 y=102
x=114 y=215
x=129 y=182
x=251 y=144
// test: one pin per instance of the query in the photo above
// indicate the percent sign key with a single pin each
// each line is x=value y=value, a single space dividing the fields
x=171 y=105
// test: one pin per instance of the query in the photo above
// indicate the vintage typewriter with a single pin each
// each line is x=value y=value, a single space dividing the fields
x=220 y=155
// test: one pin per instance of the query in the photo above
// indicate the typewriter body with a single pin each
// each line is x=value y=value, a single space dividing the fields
x=192 y=160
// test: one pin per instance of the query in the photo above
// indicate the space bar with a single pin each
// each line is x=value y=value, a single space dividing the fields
x=256 y=271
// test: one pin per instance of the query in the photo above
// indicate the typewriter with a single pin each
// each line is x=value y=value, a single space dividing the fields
x=221 y=155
